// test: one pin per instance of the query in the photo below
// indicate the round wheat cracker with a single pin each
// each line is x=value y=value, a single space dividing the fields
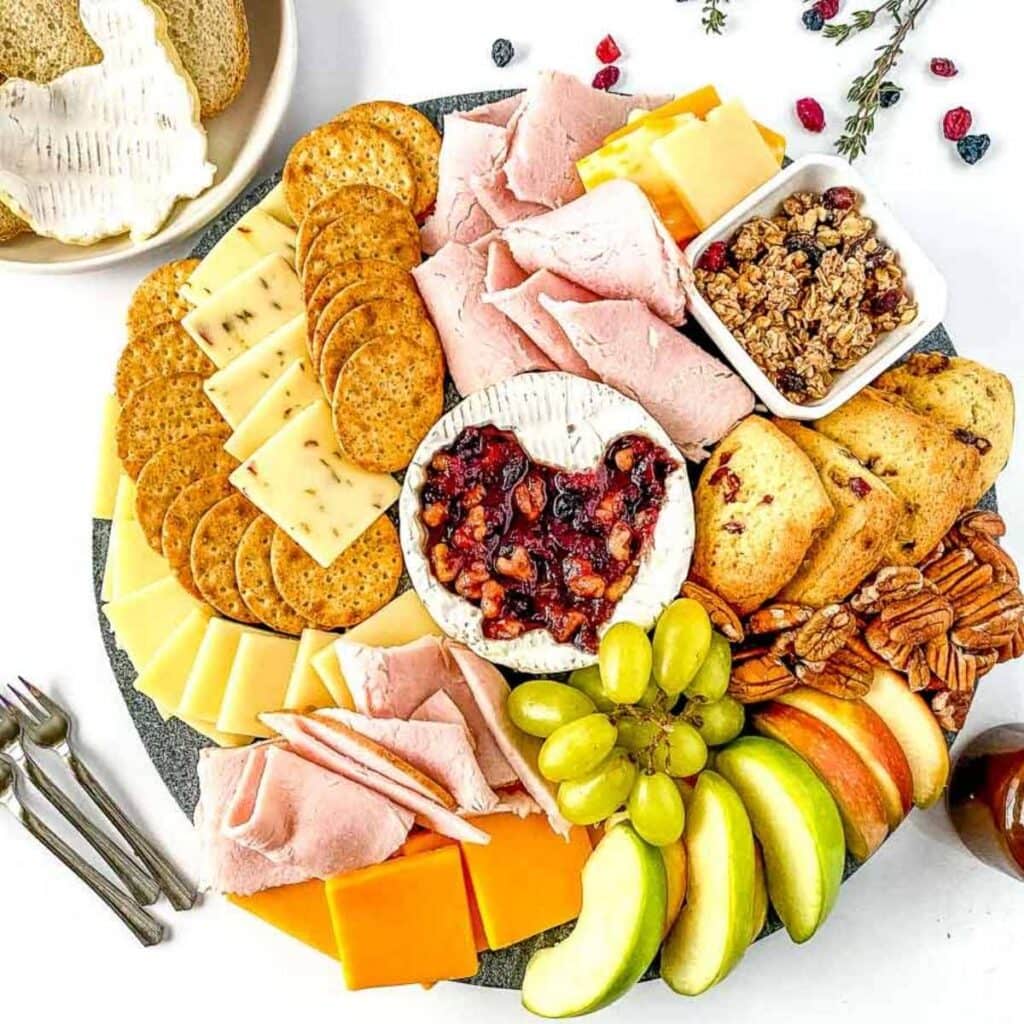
x=160 y=351
x=156 y=299
x=181 y=521
x=360 y=581
x=256 y=579
x=213 y=549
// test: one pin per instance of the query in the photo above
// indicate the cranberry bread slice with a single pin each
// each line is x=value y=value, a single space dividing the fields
x=932 y=473
x=975 y=401
x=759 y=506
x=852 y=545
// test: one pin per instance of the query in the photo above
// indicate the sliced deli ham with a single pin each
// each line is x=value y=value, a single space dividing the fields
x=441 y=708
x=499 y=201
x=695 y=397
x=481 y=345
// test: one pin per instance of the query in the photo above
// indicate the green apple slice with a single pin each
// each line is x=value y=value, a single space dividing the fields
x=798 y=825
x=617 y=934
x=715 y=926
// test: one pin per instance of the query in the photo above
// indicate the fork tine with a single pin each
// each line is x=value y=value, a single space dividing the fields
x=47 y=703
x=14 y=708
x=34 y=712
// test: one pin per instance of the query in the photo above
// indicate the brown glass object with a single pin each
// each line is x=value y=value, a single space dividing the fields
x=986 y=798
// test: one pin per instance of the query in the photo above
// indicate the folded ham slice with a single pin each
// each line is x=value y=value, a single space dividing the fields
x=491 y=692
x=482 y=346
x=612 y=242
x=441 y=708
x=501 y=113
x=392 y=682
x=498 y=200
x=317 y=742
x=695 y=397
x=502 y=270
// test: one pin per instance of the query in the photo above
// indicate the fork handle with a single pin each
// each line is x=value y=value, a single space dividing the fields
x=139 y=884
x=145 y=928
x=181 y=893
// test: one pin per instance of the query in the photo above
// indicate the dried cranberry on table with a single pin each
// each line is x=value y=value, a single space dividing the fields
x=943 y=67
x=811 y=115
x=714 y=257
x=606 y=78
x=608 y=51
x=973 y=147
x=828 y=9
x=957 y=123
x=502 y=52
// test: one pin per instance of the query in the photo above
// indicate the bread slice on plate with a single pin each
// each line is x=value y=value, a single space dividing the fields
x=852 y=545
x=759 y=506
x=41 y=39
x=920 y=459
x=975 y=401
x=10 y=224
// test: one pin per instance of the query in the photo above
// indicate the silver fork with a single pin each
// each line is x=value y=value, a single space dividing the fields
x=49 y=725
x=146 y=929
x=139 y=884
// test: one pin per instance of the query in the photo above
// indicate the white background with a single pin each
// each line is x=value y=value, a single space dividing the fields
x=924 y=932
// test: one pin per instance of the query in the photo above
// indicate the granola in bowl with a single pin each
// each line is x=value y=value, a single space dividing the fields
x=807 y=292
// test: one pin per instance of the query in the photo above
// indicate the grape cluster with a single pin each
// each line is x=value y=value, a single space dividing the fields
x=627 y=731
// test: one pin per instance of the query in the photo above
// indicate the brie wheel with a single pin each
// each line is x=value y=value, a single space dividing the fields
x=568 y=422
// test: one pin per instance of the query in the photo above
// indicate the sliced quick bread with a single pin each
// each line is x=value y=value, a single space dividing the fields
x=924 y=465
x=852 y=545
x=10 y=224
x=975 y=401
x=759 y=506
x=41 y=39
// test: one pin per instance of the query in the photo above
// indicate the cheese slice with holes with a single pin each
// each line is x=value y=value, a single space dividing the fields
x=246 y=310
x=165 y=674
x=110 y=147
x=254 y=236
x=108 y=471
x=305 y=688
x=258 y=682
x=208 y=677
x=274 y=204
x=293 y=391
x=242 y=383
x=142 y=621
x=318 y=497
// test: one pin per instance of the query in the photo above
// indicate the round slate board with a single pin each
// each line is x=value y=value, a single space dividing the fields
x=174 y=748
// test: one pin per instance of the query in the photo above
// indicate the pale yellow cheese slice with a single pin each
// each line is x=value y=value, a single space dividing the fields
x=274 y=204
x=208 y=677
x=318 y=497
x=131 y=563
x=292 y=392
x=254 y=236
x=242 y=383
x=124 y=509
x=221 y=739
x=142 y=621
x=258 y=682
x=305 y=688
x=246 y=310
x=164 y=676
x=108 y=472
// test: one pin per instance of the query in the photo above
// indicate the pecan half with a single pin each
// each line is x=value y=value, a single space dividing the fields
x=918 y=619
x=988 y=602
x=919 y=675
x=846 y=674
x=825 y=632
x=1014 y=647
x=953 y=668
x=775 y=617
x=980 y=521
x=895 y=655
x=950 y=708
x=989 y=552
x=891 y=583
x=950 y=569
x=760 y=678
x=723 y=618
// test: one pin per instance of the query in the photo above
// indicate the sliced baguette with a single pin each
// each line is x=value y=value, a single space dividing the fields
x=41 y=39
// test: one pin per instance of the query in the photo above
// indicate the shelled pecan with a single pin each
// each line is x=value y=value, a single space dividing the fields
x=722 y=617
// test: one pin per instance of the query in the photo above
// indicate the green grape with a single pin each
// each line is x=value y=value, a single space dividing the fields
x=541 y=706
x=656 y=809
x=577 y=748
x=712 y=678
x=625 y=660
x=652 y=695
x=682 y=751
x=636 y=733
x=719 y=722
x=589 y=681
x=681 y=642
x=600 y=793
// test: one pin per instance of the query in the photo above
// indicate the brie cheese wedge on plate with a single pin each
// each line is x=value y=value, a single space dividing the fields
x=566 y=422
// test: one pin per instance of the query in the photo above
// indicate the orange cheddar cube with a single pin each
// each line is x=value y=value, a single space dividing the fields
x=527 y=879
x=297 y=910
x=403 y=922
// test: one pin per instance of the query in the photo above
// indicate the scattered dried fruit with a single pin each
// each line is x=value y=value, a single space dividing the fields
x=714 y=257
x=502 y=52
x=889 y=94
x=811 y=115
x=606 y=77
x=839 y=197
x=813 y=20
x=957 y=123
x=608 y=51
x=943 y=67
x=828 y=9
x=973 y=147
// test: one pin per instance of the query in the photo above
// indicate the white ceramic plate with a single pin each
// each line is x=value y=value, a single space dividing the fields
x=238 y=139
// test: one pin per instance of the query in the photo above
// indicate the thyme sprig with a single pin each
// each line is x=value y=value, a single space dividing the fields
x=714 y=18
x=860 y=21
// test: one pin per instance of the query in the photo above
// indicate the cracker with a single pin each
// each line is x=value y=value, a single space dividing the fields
x=349 y=201
x=389 y=394
x=344 y=274
x=360 y=581
x=373 y=237
x=181 y=521
x=170 y=470
x=345 y=154
x=256 y=580
x=214 y=545
x=159 y=351
x=382 y=317
x=165 y=410
x=156 y=299
x=403 y=291
x=421 y=139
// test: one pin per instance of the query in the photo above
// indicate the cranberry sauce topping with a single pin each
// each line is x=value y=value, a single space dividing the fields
x=536 y=547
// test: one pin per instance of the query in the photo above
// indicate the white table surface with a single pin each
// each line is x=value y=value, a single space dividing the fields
x=924 y=931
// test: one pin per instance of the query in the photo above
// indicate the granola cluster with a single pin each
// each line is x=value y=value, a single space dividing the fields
x=807 y=292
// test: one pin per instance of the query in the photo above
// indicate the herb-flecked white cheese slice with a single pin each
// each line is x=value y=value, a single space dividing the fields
x=274 y=204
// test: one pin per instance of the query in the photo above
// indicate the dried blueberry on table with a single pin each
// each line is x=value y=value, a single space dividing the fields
x=502 y=52
x=813 y=19
x=889 y=95
x=973 y=147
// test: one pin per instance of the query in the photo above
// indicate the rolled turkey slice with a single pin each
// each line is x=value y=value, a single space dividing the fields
x=612 y=242
x=694 y=396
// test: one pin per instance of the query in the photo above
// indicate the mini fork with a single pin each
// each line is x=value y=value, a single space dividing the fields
x=146 y=929
x=49 y=725
x=138 y=883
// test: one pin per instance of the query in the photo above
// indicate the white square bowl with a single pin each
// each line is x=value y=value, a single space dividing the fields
x=923 y=280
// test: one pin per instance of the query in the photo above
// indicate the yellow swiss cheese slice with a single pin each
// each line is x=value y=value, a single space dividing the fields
x=143 y=620
x=305 y=687
x=164 y=676
x=108 y=471
x=208 y=677
x=258 y=682
x=131 y=563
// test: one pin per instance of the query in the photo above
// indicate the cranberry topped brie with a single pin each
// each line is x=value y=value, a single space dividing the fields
x=541 y=510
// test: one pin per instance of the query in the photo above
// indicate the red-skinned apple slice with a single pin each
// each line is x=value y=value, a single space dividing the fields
x=913 y=724
x=839 y=766
x=871 y=738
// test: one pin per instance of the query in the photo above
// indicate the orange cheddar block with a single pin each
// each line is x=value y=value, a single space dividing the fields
x=297 y=910
x=527 y=879
x=403 y=922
